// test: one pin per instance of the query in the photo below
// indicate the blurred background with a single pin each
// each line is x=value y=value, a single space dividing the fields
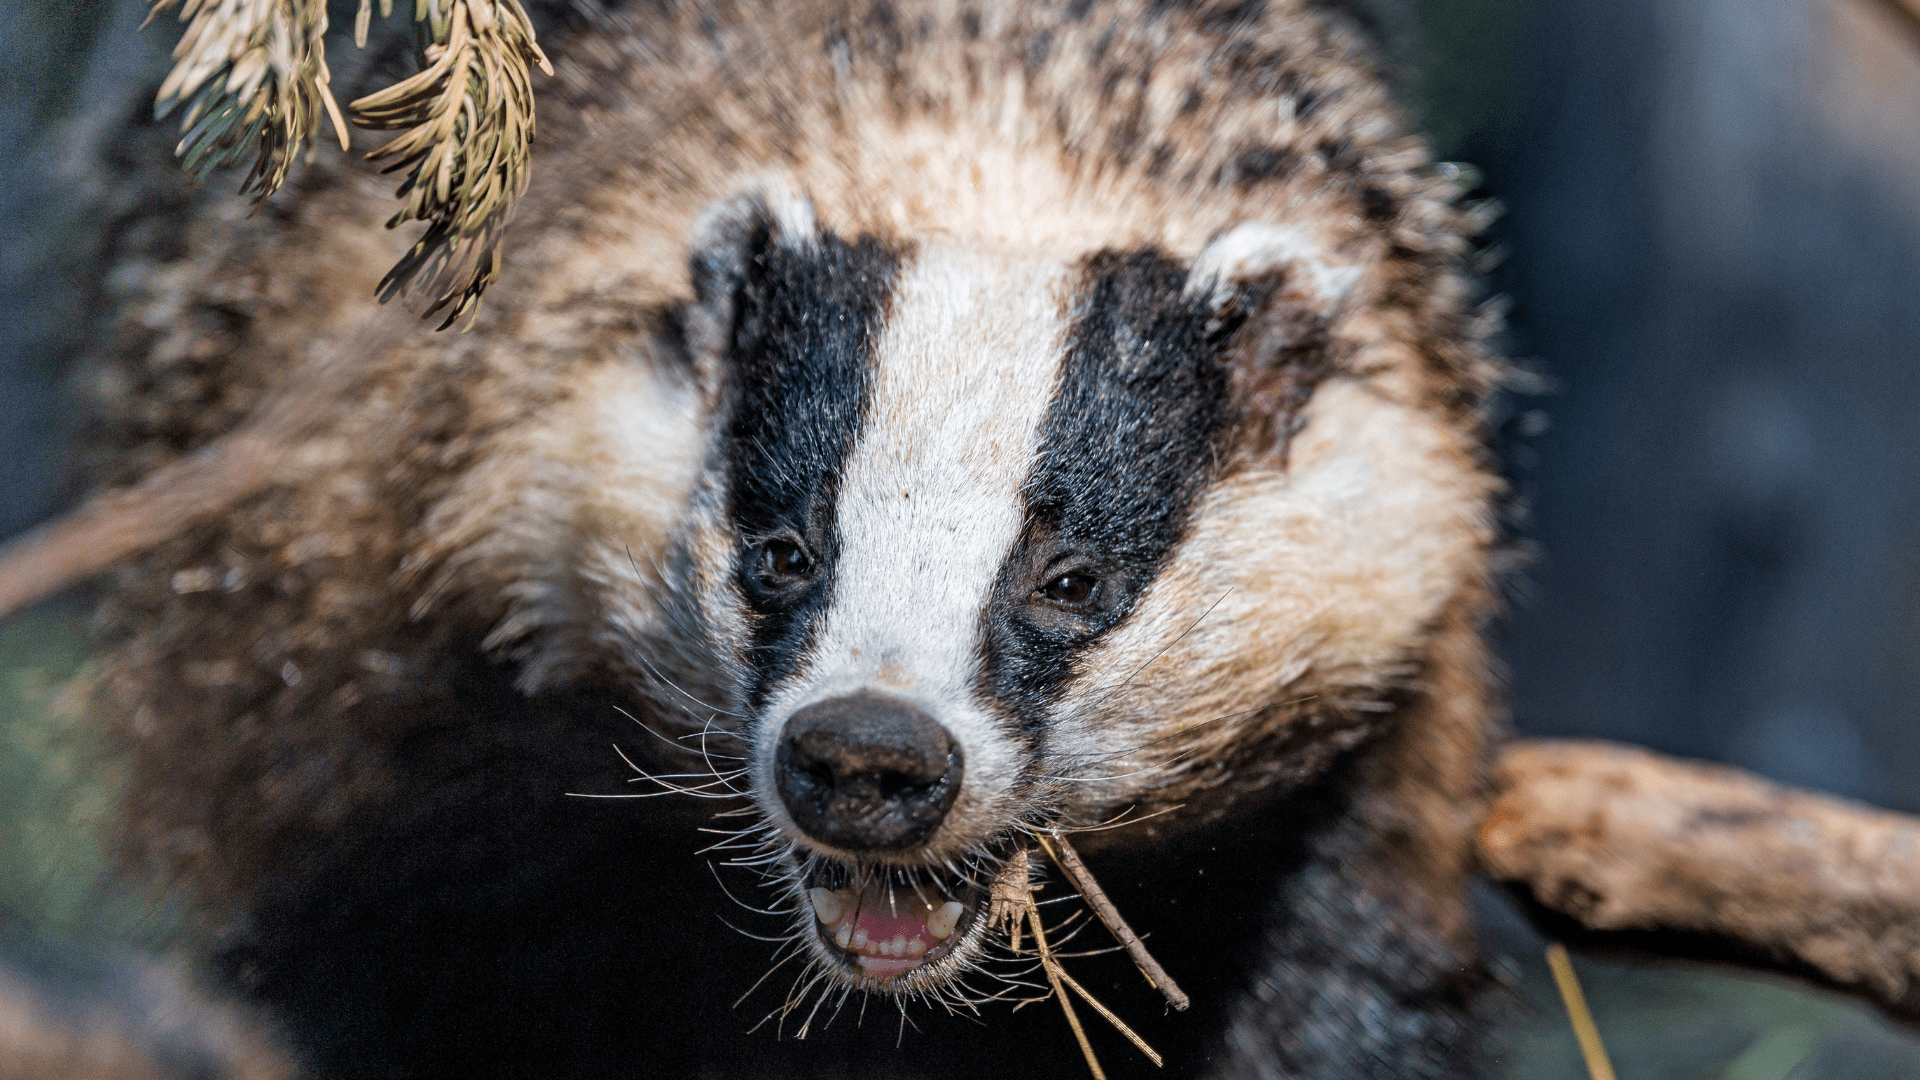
x=1711 y=247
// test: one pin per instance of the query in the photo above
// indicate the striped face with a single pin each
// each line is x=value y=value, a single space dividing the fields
x=959 y=504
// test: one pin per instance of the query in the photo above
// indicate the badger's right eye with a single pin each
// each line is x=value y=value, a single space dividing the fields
x=774 y=573
x=1069 y=590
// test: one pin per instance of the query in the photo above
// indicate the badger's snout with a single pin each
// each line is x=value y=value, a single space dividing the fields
x=867 y=773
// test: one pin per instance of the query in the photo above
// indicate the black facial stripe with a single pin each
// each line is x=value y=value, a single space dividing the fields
x=798 y=385
x=1127 y=444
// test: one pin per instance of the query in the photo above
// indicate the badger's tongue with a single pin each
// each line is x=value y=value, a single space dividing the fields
x=888 y=932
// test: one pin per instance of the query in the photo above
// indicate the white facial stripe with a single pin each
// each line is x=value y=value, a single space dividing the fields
x=930 y=502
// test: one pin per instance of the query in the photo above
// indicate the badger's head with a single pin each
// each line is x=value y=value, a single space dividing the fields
x=990 y=542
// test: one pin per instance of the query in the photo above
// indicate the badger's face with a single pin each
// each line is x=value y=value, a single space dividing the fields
x=985 y=549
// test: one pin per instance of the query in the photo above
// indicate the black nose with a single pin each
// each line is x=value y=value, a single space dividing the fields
x=867 y=773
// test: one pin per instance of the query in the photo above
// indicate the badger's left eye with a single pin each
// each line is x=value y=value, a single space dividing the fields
x=1070 y=590
x=784 y=561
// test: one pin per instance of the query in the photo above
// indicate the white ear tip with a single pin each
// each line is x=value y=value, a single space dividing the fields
x=775 y=201
x=1253 y=248
x=792 y=213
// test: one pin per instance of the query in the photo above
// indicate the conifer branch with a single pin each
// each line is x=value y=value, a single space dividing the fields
x=467 y=123
x=253 y=76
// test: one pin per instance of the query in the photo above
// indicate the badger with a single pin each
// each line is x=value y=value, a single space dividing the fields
x=904 y=431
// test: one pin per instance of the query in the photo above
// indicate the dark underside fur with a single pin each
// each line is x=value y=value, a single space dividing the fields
x=1347 y=987
x=493 y=926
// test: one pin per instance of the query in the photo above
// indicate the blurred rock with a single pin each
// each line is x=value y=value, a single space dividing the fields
x=122 y=1018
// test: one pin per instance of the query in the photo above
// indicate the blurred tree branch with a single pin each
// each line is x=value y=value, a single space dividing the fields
x=1621 y=848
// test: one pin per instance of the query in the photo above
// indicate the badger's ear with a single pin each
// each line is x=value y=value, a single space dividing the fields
x=1280 y=291
x=726 y=252
x=1256 y=255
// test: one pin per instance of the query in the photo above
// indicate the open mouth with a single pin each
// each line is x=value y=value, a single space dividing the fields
x=888 y=924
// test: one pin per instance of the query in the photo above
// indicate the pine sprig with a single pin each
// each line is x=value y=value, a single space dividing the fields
x=467 y=122
x=253 y=75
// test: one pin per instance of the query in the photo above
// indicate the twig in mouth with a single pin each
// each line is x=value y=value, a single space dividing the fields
x=1052 y=967
x=1068 y=861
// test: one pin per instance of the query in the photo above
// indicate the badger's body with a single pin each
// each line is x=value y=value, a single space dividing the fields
x=916 y=425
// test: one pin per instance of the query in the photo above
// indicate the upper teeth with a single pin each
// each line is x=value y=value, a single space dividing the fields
x=941 y=923
x=828 y=905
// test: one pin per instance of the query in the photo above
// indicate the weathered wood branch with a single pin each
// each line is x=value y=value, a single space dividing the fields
x=1625 y=848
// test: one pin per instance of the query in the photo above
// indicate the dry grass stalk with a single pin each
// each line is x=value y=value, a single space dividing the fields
x=1584 y=1029
x=1118 y=1025
x=1012 y=904
x=254 y=76
x=1052 y=966
x=364 y=18
x=1068 y=860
